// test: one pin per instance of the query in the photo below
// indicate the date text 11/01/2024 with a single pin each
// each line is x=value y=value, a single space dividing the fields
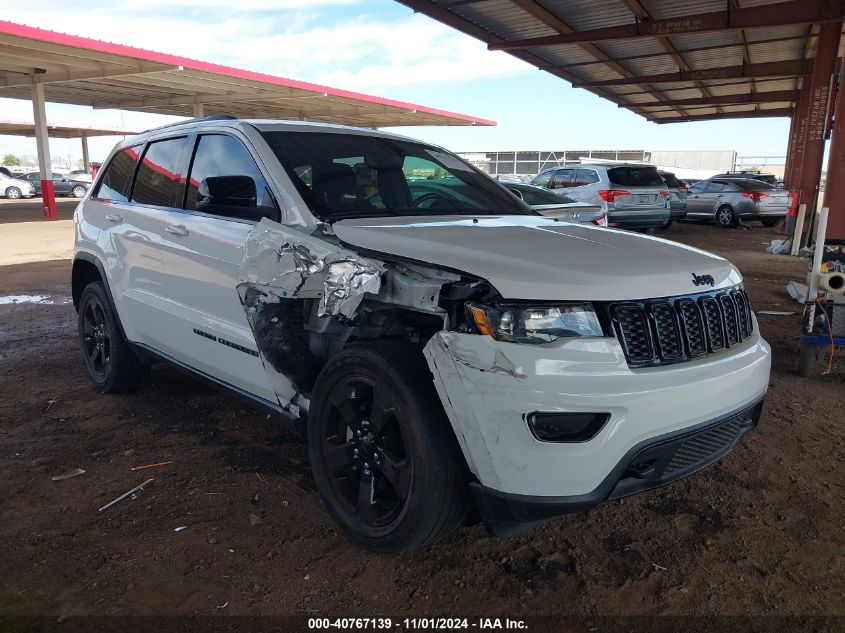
x=417 y=624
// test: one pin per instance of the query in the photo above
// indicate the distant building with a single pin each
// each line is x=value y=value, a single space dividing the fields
x=529 y=163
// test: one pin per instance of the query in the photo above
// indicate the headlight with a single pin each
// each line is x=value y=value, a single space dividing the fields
x=535 y=324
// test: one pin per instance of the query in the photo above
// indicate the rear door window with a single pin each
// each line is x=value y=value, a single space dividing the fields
x=158 y=175
x=563 y=178
x=114 y=185
x=585 y=177
x=754 y=185
x=645 y=176
x=716 y=186
x=224 y=180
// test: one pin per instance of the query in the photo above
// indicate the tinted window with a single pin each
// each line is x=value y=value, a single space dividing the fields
x=716 y=186
x=670 y=180
x=158 y=174
x=535 y=195
x=645 y=176
x=754 y=185
x=585 y=177
x=117 y=176
x=224 y=180
x=353 y=175
x=697 y=187
x=563 y=178
x=543 y=179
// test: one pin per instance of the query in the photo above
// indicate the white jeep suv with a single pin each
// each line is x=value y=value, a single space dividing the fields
x=441 y=352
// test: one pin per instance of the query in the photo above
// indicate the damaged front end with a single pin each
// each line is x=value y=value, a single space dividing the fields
x=307 y=296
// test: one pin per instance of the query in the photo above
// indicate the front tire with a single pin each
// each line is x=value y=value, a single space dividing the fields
x=384 y=456
x=111 y=364
x=13 y=193
x=726 y=217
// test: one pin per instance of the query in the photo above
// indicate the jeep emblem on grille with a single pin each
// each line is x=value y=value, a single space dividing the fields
x=701 y=280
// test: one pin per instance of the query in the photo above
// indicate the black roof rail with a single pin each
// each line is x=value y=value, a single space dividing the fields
x=210 y=117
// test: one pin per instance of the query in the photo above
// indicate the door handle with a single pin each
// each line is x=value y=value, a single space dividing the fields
x=111 y=217
x=177 y=229
x=720 y=196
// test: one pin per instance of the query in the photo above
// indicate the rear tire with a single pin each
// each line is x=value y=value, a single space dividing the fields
x=78 y=191
x=13 y=193
x=666 y=225
x=726 y=217
x=111 y=364
x=384 y=456
x=770 y=222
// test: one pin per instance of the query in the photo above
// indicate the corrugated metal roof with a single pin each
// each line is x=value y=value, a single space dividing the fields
x=654 y=51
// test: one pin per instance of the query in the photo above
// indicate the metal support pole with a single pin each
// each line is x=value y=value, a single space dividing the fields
x=795 y=155
x=834 y=195
x=199 y=109
x=799 y=228
x=86 y=164
x=42 y=142
x=823 y=68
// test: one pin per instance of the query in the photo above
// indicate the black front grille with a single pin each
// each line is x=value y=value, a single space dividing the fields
x=662 y=331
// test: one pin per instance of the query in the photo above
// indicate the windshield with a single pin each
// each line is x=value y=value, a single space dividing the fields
x=355 y=176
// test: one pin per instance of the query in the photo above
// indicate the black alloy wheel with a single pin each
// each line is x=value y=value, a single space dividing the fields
x=364 y=451
x=112 y=365
x=96 y=339
x=384 y=456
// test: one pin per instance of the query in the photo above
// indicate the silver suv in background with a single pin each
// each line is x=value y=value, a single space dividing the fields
x=633 y=196
x=729 y=200
x=677 y=196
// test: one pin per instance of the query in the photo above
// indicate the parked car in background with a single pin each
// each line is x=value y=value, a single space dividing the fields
x=80 y=174
x=62 y=185
x=633 y=196
x=769 y=179
x=15 y=188
x=554 y=205
x=677 y=196
x=729 y=200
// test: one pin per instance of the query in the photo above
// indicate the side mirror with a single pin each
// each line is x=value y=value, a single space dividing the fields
x=235 y=197
x=224 y=192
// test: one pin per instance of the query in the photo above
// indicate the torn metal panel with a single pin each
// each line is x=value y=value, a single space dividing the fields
x=346 y=282
x=282 y=268
x=414 y=286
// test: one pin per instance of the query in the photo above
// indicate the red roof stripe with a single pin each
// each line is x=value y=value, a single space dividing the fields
x=53 y=37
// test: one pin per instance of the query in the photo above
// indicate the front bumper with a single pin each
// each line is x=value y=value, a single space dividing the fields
x=650 y=464
x=488 y=388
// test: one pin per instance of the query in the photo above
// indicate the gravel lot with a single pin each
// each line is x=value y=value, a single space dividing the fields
x=762 y=532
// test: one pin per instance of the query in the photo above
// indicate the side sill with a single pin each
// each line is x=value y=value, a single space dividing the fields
x=290 y=423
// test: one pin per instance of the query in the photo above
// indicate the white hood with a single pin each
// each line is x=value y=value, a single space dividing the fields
x=530 y=257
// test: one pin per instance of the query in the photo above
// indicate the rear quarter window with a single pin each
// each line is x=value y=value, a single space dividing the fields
x=635 y=176
x=114 y=185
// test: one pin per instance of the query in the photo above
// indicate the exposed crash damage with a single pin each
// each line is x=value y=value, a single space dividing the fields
x=305 y=297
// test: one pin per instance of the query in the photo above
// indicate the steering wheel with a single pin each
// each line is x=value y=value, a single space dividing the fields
x=430 y=197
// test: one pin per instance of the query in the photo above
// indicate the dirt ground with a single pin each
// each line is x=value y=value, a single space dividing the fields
x=762 y=532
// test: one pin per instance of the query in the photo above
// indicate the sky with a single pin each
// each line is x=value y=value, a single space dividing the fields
x=374 y=46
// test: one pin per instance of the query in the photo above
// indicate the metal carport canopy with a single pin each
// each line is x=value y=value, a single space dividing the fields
x=99 y=74
x=667 y=60
x=20 y=128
